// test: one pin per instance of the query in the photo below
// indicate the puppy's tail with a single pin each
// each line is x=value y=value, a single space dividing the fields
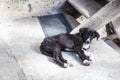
x=45 y=52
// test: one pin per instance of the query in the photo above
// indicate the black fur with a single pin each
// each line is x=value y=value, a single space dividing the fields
x=52 y=46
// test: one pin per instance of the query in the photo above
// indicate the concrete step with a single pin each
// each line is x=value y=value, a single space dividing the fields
x=72 y=21
x=113 y=45
x=109 y=38
x=85 y=7
x=24 y=37
x=15 y=9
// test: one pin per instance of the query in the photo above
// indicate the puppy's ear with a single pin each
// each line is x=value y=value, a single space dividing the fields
x=97 y=35
x=82 y=30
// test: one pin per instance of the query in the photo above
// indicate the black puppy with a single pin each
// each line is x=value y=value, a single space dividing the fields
x=52 y=46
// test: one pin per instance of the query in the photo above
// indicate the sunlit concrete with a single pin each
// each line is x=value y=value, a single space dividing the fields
x=21 y=40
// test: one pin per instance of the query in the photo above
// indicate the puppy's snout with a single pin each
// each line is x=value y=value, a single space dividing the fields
x=88 y=41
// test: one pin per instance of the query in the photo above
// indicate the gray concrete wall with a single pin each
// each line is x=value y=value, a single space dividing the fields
x=24 y=8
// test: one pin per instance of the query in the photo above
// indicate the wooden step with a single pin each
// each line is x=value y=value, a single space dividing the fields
x=85 y=7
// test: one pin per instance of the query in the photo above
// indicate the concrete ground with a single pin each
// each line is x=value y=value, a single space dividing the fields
x=21 y=59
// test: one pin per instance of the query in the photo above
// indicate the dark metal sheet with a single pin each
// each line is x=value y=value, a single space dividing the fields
x=54 y=24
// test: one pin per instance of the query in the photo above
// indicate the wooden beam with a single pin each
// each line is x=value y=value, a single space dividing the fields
x=102 y=17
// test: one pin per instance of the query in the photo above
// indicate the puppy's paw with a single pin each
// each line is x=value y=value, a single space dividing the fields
x=70 y=64
x=86 y=62
x=66 y=65
x=86 y=46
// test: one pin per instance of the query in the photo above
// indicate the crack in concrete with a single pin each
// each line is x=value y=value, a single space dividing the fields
x=21 y=74
x=29 y=7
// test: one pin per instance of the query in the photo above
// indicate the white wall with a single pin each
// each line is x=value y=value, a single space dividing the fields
x=24 y=8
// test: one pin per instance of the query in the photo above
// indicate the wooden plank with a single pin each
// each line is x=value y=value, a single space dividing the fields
x=102 y=17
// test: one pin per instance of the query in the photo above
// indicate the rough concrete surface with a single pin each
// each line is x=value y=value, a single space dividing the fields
x=9 y=68
x=14 y=9
x=20 y=56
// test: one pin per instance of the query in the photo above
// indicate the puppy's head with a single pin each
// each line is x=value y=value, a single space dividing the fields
x=88 y=34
